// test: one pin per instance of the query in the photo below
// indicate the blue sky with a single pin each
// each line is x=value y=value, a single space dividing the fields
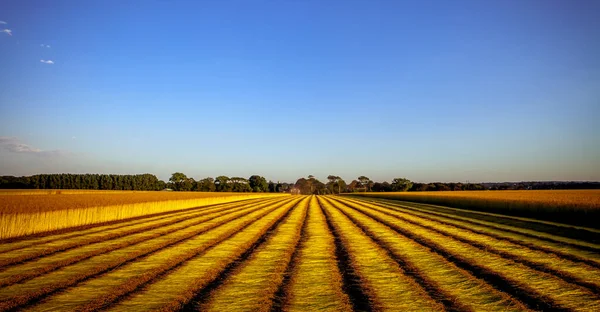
x=428 y=90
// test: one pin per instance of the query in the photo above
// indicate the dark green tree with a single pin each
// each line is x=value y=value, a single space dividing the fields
x=401 y=185
x=258 y=184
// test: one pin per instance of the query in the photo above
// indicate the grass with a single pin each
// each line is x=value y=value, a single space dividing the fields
x=578 y=272
x=538 y=285
x=253 y=286
x=179 y=287
x=306 y=253
x=29 y=249
x=56 y=260
x=18 y=294
x=384 y=282
x=457 y=288
x=526 y=229
x=316 y=261
x=577 y=207
x=22 y=215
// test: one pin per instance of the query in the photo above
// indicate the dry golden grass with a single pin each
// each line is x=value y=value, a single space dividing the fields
x=21 y=293
x=547 y=261
x=578 y=207
x=86 y=250
x=464 y=290
x=527 y=228
x=382 y=279
x=524 y=237
x=316 y=283
x=252 y=286
x=27 y=214
x=546 y=287
x=183 y=283
x=305 y=253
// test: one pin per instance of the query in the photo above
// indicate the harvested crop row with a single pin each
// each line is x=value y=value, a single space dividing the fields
x=534 y=287
x=505 y=226
x=182 y=284
x=253 y=284
x=68 y=234
x=316 y=283
x=49 y=263
x=20 y=294
x=384 y=282
x=83 y=239
x=576 y=207
x=561 y=250
x=21 y=223
x=573 y=272
x=457 y=289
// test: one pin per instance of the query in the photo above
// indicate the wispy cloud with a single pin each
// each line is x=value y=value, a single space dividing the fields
x=7 y=31
x=3 y=22
x=47 y=62
x=14 y=145
x=44 y=45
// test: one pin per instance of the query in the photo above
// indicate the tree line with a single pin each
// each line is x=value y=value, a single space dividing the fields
x=255 y=183
x=137 y=182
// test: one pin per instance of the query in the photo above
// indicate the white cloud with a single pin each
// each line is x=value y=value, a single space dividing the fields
x=47 y=62
x=13 y=145
x=8 y=31
x=3 y=22
x=44 y=45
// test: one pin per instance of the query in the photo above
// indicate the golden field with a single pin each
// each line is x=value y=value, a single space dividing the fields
x=577 y=207
x=306 y=253
x=30 y=212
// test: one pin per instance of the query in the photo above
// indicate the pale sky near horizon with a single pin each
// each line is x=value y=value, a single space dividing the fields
x=428 y=90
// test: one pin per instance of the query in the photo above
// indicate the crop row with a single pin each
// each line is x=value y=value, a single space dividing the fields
x=303 y=253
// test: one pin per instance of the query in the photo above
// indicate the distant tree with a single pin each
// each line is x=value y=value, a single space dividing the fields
x=319 y=188
x=258 y=184
x=303 y=186
x=205 y=185
x=177 y=179
x=335 y=184
x=239 y=184
x=365 y=182
x=401 y=185
x=353 y=186
x=382 y=187
x=222 y=184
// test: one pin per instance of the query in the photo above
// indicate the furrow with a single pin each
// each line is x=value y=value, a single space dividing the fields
x=455 y=288
x=572 y=272
x=558 y=249
x=173 y=291
x=16 y=243
x=508 y=224
x=536 y=289
x=351 y=284
x=44 y=265
x=315 y=283
x=37 y=251
x=251 y=282
x=34 y=289
x=280 y=296
x=385 y=283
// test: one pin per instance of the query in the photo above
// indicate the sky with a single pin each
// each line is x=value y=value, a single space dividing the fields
x=477 y=91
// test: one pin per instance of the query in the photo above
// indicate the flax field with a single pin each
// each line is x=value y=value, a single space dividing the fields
x=306 y=253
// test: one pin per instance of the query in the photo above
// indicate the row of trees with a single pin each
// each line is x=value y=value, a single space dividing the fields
x=138 y=182
x=255 y=183
x=336 y=185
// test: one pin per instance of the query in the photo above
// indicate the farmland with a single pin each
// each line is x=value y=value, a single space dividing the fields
x=576 y=207
x=306 y=253
x=35 y=211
